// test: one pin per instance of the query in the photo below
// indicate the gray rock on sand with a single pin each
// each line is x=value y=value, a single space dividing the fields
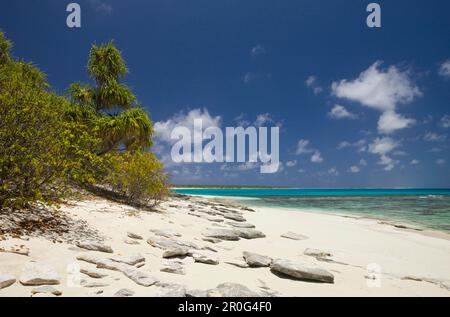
x=130 y=260
x=173 y=267
x=212 y=240
x=46 y=290
x=250 y=234
x=39 y=273
x=175 y=252
x=205 y=258
x=140 y=277
x=231 y=290
x=43 y=295
x=196 y=293
x=294 y=236
x=134 y=236
x=124 y=292
x=131 y=241
x=165 y=243
x=93 y=273
x=165 y=233
x=301 y=271
x=257 y=260
x=172 y=290
x=109 y=264
x=317 y=253
x=95 y=285
x=95 y=246
x=6 y=280
x=235 y=217
x=223 y=234
x=238 y=263
x=244 y=225
x=88 y=258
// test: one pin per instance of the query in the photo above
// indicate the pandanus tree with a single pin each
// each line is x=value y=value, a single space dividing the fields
x=120 y=121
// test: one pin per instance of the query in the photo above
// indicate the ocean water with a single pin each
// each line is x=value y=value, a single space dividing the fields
x=422 y=208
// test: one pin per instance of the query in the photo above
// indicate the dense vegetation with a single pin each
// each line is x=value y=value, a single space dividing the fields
x=98 y=137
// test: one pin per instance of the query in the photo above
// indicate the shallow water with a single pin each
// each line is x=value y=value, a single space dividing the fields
x=425 y=208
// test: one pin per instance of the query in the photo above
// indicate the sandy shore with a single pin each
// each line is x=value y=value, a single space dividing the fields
x=366 y=258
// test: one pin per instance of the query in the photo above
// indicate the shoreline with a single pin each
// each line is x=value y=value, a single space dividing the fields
x=382 y=221
x=410 y=264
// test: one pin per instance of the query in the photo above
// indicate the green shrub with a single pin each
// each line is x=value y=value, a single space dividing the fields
x=41 y=151
x=139 y=177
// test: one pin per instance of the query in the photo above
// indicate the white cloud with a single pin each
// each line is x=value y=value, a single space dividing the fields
x=333 y=171
x=363 y=162
x=164 y=129
x=311 y=82
x=101 y=6
x=291 y=163
x=382 y=90
x=434 y=137
x=258 y=50
x=390 y=122
x=400 y=153
x=241 y=121
x=339 y=112
x=343 y=145
x=354 y=169
x=360 y=145
x=378 y=89
x=435 y=150
x=303 y=147
x=445 y=121
x=382 y=147
x=249 y=77
x=316 y=157
x=262 y=119
x=444 y=70
x=415 y=162
x=440 y=161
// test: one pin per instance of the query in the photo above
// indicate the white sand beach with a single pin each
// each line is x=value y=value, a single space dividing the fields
x=401 y=262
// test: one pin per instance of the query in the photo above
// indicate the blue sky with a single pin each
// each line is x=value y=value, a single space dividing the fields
x=357 y=107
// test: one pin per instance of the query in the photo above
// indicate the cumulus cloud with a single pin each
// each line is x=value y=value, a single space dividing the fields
x=360 y=145
x=263 y=119
x=291 y=163
x=249 y=77
x=339 y=112
x=333 y=171
x=316 y=157
x=434 y=137
x=303 y=147
x=440 y=161
x=391 y=121
x=445 y=122
x=383 y=90
x=311 y=82
x=163 y=129
x=382 y=147
x=444 y=69
x=362 y=162
x=414 y=162
x=354 y=169
x=101 y=6
x=258 y=50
